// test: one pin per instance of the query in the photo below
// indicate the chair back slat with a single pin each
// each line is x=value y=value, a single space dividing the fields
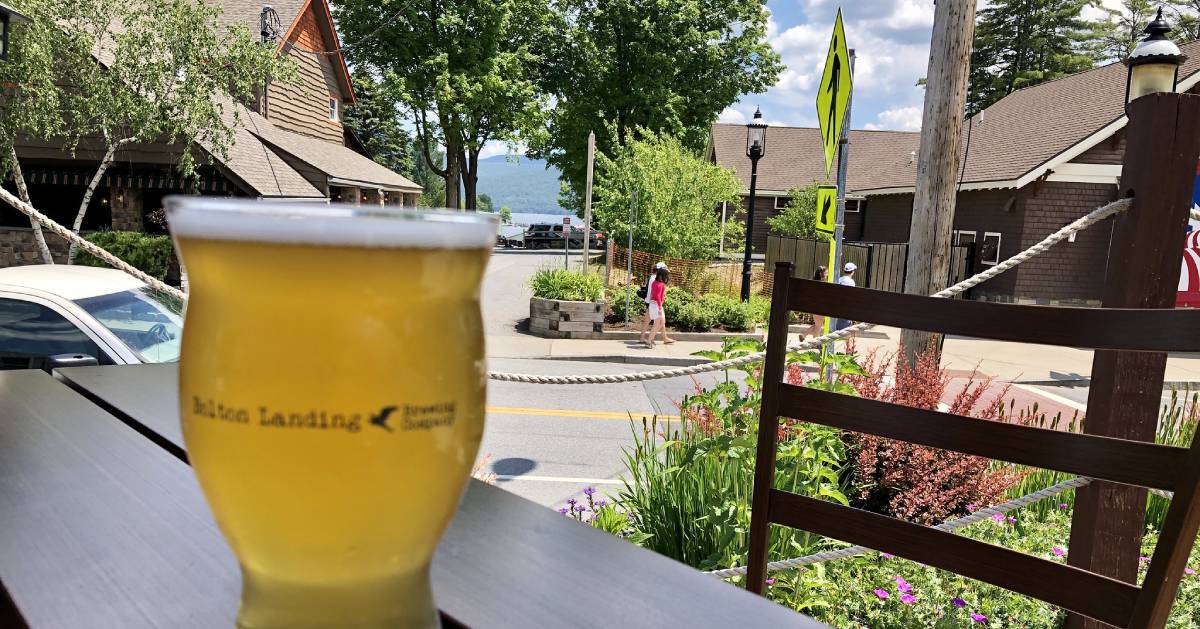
x=1098 y=328
x=1135 y=463
x=1102 y=598
x=1129 y=462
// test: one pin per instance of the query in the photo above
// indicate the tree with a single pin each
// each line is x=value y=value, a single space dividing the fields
x=1116 y=35
x=1187 y=19
x=665 y=66
x=678 y=192
x=1019 y=43
x=462 y=69
x=506 y=215
x=153 y=71
x=798 y=218
x=376 y=120
x=484 y=203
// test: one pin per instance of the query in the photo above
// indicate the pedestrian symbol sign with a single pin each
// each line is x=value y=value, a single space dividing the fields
x=826 y=208
x=834 y=92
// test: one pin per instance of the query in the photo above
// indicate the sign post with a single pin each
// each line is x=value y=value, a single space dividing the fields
x=587 y=200
x=833 y=115
x=566 y=232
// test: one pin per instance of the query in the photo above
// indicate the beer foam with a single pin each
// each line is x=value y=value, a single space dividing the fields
x=327 y=224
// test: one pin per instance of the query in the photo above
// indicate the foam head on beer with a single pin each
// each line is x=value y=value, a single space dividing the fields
x=332 y=385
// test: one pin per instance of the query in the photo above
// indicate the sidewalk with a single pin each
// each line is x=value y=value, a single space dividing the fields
x=598 y=350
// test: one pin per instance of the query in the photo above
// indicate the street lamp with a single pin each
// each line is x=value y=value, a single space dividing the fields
x=8 y=17
x=756 y=148
x=1154 y=63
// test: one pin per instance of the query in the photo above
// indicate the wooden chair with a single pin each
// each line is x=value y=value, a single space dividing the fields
x=1129 y=462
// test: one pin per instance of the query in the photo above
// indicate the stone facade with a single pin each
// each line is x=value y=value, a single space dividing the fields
x=552 y=318
x=126 y=207
x=18 y=247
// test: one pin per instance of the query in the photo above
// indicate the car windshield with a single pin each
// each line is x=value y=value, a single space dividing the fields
x=150 y=322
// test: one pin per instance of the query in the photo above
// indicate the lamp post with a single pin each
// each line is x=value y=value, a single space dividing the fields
x=756 y=148
x=8 y=17
x=1154 y=63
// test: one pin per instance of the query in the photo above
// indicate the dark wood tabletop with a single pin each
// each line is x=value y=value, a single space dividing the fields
x=103 y=525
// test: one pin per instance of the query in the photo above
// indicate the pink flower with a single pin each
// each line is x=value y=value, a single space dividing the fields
x=1189 y=571
x=770 y=581
x=1012 y=519
x=882 y=593
x=978 y=618
x=888 y=555
x=903 y=585
x=997 y=517
x=958 y=602
x=908 y=599
x=1063 y=505
x=1058 y=551
x=1143 y=559
x=971 y=507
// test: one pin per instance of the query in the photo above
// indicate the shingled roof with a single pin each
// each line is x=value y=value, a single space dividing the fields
x=794 y=156
x=1012 y=143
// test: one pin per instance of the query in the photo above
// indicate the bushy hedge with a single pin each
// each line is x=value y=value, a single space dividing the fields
x=566 y=285
x=686 y=311
x=148 y=253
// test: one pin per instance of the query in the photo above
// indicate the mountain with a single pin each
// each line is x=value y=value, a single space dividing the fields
x=524 y=184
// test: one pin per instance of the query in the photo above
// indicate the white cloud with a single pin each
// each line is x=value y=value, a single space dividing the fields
x=493 y=148
x=899 y=119
x=732 y=116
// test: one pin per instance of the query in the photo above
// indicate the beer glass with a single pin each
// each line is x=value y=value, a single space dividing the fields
x=332 y=391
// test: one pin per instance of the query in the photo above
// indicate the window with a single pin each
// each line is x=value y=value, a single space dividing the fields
x=30 y=333
x=333 y=109
x=149 y=322
x=781 y=202
x=989 y=250
x=963 y=237
x=852 y=206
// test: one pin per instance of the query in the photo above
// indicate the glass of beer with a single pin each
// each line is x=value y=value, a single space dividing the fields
x=331 y=390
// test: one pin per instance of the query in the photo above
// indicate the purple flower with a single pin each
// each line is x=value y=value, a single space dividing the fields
x=571 y=501
x=580 y=508
x=907 y=599
x=1058 y=551
x=888 y=555
x=1012 y=520
x=978 y=617
x=564 y=510
x=903 y=585
x=998 y=517
x=1143 y=559
x=882 y=593
x=587 y=491
x=601 y=503
x=958 y=602
x=1063 y=505
x=971 y=507
x=1189 y=571
x=770 y=581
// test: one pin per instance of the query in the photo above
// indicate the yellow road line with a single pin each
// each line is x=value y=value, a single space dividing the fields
x=552 y=412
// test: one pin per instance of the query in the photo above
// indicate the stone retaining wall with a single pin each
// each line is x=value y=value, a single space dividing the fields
x=552 y=318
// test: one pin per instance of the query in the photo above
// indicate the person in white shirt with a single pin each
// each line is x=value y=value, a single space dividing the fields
x=847 y=279
x=648 y=323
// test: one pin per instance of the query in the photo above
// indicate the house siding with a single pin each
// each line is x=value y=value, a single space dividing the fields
x=1001 y=211
x=1108 y=151
x=887 y=218
x=1069 y=272
x=304 y=107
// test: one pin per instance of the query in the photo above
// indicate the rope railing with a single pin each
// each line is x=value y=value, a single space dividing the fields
x=948 y=526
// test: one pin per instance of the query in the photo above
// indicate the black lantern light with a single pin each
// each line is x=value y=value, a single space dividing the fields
x=1154 y=63
x=756 y=148
x=8 y=17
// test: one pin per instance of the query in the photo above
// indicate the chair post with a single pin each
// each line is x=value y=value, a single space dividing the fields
x=768 y=430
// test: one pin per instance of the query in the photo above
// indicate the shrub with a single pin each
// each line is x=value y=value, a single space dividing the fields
x=621 y=296
x=673 y=301
x=917 y=483
x=147 y=253
x=566 y=285
x=798 y=218
x=695 y=316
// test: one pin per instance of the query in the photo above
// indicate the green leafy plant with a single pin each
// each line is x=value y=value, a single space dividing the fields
x=148 y=253
x=798 y=218
x=621 y=298
x=566 y=285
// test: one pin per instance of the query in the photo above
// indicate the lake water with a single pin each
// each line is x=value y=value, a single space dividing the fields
x=525 y=219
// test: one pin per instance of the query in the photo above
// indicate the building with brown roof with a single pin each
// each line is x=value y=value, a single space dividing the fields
x=1032 y=162
x=290 y=145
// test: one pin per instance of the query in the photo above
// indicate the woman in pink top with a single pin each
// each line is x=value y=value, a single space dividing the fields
x=658 y=292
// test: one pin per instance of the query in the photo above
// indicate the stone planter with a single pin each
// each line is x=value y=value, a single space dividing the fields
x=557 y=319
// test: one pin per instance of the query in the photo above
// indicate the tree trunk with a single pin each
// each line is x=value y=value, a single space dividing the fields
x=38 y=237
x=105 y=162
x=470 y=179
x=452 y=177
x=937 y=166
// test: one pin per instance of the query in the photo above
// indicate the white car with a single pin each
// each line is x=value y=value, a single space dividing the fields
x=55 y=314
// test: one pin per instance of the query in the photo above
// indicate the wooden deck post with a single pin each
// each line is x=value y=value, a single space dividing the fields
x=1145 y=252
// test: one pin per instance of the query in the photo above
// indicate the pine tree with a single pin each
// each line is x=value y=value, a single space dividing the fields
x=1115 y=35
x=1019 y=43
x=376 y=120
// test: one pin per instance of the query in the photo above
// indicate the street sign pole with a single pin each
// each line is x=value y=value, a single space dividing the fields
x=566 y=232
x=839 y=227
x=629 y=256
x=587 y=200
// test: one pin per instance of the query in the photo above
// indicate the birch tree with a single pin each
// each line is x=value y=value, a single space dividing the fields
x=116 y=73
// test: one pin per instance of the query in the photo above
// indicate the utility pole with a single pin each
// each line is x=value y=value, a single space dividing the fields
x=941 y=135
x=587 y=200
x=629 y=255
x=839 y=228
x=1159 y=171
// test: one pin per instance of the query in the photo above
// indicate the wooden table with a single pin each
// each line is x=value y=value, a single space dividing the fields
x=103 y=525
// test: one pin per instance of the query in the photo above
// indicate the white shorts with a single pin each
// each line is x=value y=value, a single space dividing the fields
x=655 y=311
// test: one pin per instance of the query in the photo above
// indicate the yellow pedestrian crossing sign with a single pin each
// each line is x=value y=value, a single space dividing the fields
x=826 y=208
x=834 y=92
